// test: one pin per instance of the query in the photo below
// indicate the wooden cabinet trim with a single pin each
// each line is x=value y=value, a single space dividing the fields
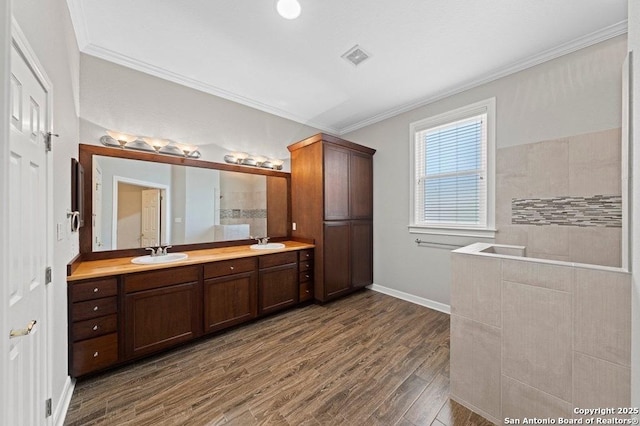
x=229 y=267
x=94 y=308
x=93 y=289
x=94 y=327
x=277 y=259
x=160 y=278
x=94 y=354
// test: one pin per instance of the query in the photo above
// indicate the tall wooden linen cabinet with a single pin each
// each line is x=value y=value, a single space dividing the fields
x=332 y=203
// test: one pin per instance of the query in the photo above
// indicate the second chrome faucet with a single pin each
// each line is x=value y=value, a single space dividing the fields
x=158 y=251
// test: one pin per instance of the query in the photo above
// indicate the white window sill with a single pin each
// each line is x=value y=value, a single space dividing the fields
x=485 y=233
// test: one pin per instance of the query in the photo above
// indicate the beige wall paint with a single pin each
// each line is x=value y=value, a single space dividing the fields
x=129 y=215
x=118 y=98
x=47 y=26
x=575 y=94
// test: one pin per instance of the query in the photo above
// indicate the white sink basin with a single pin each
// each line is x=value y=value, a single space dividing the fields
x=268 y=246
x=154 y=260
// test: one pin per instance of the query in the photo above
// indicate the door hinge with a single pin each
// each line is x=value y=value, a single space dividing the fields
x=47 y=408
x=47 y=275
x=47 y=140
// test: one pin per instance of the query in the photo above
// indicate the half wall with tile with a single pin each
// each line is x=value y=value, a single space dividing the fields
x=537 y=338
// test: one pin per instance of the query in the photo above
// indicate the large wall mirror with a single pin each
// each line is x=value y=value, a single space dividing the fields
x=135 y=200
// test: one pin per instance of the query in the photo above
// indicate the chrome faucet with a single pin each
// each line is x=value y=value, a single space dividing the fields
x=261 y=240
x=158 y=251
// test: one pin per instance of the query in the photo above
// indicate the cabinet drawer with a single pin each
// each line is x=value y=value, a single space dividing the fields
x=305 y=276
x=228 y=267
x=93 y=289
x=306 y=254
x=94 y=354
x=305 y=291
x=94 y=308
x=270 y=260
x=94 y=327
x=305 y=265
x=161 y=278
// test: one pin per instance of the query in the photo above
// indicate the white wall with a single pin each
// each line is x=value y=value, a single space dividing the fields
x=117 y=98
x=47 y=26
x=634 y=45
x=577 y=93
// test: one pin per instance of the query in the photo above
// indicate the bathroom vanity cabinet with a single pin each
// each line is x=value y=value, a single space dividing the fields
x=119 y=312
x=332 y=203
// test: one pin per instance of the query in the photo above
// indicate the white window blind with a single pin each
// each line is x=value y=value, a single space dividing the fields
x=450 y=173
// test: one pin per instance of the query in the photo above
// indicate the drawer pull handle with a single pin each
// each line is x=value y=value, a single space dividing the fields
x=95 y=354
x=306 y=276
x=307 y=254
x=95 y=308
x=95 y=290
x=95 y=327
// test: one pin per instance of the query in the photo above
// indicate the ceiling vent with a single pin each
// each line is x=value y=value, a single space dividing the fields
x=356 y=55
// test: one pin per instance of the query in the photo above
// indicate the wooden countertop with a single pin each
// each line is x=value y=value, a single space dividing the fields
x=123 y=265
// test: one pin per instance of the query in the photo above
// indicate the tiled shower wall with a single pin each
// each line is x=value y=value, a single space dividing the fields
x=245 y=207
x=535 y=339
x=561 y=198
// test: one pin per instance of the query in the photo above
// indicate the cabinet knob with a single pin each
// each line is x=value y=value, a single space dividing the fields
x=306 y=276
x=306 y=291
x=231 y=267
x=95 y=290
x=95 y=327
x=95 y=354
x=95 y=308
x=308 y=255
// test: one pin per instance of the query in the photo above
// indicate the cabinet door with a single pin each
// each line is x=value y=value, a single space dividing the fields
x=230 y=300
x=278 y=288
x=337 y=278
x=361 y=253
x=336 y=183
x=361 y=186
x=160 y=318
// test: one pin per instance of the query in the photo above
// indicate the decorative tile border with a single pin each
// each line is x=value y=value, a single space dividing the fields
x=244 y=214
x=598 y=210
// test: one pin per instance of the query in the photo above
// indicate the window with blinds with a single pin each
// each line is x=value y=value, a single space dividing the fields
x=451 y=184
x=451 y=173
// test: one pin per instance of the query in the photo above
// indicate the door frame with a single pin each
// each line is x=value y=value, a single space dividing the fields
x=13 y=35
x=165 y=229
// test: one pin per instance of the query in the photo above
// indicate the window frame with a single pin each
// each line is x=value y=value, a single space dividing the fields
x=488 y=107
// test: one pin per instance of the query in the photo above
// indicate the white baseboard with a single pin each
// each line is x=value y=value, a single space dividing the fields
x=411 y=298
x=63 y=404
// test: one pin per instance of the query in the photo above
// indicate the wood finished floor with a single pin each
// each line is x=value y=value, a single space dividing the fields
x=368 y=359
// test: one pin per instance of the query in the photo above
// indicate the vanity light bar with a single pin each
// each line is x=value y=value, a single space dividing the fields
x=159 y=146
x=245 y=159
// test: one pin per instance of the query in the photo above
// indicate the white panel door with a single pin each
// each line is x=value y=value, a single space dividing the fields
x=150 y=218
x=28 y=241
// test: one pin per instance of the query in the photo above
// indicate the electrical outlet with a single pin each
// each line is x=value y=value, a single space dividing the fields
x=293 y=225
x=59 y=231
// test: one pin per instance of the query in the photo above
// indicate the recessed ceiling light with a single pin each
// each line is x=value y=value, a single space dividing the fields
x=288 y=9
x=356 y=55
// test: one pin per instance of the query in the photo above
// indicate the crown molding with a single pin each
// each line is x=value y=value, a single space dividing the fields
x=147 y=68
x=79 y=23
x=564 y=49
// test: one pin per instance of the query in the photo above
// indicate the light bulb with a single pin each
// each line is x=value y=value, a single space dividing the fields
x=156 y=143
x=288 y=9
